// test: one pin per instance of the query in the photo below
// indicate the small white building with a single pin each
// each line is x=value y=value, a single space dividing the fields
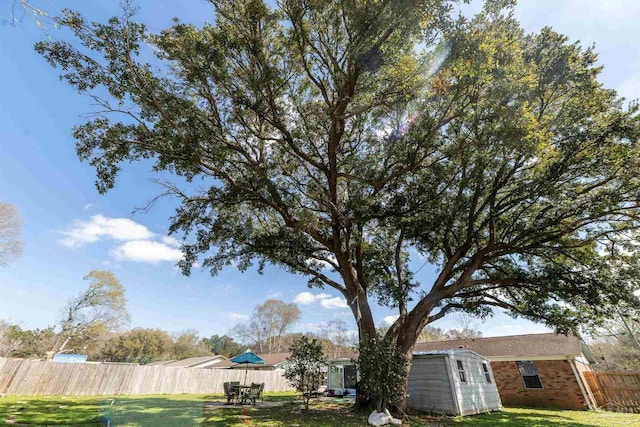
x=456 y=382
x=342 y=376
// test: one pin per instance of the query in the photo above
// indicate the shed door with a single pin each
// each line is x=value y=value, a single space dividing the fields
x=336 y=375
x=350 y=378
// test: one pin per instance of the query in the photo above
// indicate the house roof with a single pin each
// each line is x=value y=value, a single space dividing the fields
x=274 y=359
x=159 y=362
x=194 y=361
x=223 y=364
x=270 y=361
x=530 y=345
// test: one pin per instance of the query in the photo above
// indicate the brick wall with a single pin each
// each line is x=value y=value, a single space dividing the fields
x=560 y=388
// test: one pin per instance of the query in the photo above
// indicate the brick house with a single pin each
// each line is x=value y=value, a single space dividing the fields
x=543 y=370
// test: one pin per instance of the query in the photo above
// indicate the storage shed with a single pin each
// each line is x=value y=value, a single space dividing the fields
x=342 y=376
x=455 y=382
x=542 y=370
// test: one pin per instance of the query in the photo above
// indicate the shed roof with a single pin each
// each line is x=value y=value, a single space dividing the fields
x=530 y=345
x=347 y=354
x=448 y=353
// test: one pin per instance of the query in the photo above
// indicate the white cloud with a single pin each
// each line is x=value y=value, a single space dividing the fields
x=87 y=206
x=306 y=298
x=238 y=316
x=390 y=319
x=99 y=226
x=140 y=243
x=171 y=241
x=146 y=251
x=332 y=303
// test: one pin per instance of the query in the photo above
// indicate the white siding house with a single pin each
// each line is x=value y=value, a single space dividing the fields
x=456 y=382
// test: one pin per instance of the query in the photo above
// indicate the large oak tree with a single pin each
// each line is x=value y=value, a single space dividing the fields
x=333 y=138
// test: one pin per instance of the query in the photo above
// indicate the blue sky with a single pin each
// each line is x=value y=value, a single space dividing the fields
x=70 y=229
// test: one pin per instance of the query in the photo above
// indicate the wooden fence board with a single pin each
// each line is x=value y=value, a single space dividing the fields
x=35 y=377
x=616 y=390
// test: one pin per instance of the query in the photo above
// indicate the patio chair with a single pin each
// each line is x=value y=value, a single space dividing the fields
x=255 y=392
x=233 y=385
x=321 y=391
x=231 y=393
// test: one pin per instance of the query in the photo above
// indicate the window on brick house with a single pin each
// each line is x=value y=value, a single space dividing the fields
x=529 y=374
x=487 y=375
x=463 y=377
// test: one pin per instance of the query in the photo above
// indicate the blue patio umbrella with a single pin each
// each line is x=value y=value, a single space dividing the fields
x=248 y=357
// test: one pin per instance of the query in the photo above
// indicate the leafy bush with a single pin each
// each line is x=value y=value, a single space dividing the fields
x=383 y=372
x=306 y=367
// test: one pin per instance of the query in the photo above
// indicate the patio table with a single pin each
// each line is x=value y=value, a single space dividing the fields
x=242 y=391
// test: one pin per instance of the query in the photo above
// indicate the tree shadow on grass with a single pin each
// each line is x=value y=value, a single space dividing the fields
x=198 y=410
x=156 y=411
x=524 y=418
x=50 y=410
x=288 y=414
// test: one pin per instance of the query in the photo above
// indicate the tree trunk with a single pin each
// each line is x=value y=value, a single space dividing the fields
x=366 y=328
x=402 y=408
x=407 y=338
x=64 y=344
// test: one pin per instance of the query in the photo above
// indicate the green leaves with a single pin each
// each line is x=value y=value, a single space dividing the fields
x=306 y=367
x=383 y=371
x=327 y=145
x=539 y=172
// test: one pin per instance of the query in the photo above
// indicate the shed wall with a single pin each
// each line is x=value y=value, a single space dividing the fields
x=476 y=396
x=429 y=386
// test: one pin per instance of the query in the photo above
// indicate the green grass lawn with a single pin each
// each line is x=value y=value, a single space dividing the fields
x=195 y=410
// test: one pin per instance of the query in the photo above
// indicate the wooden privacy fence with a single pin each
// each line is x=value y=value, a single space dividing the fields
x=616 y=390
x=35 y=377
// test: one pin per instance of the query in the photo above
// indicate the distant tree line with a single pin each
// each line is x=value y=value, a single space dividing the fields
x=616 y=344
x=103 y=338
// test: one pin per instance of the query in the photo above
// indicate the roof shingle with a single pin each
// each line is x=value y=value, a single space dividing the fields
x=530 y=345
x=194 y=361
